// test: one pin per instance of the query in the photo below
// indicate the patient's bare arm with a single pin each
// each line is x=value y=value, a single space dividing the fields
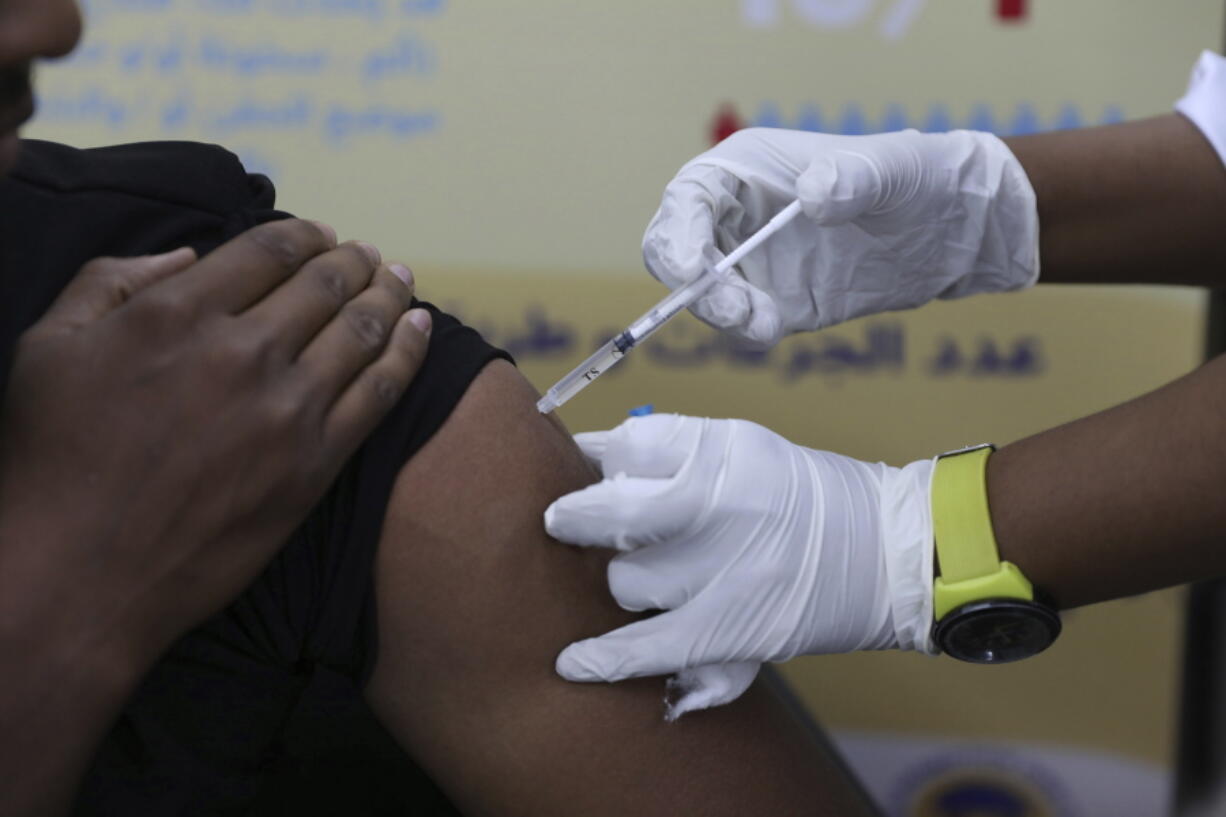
x=475 y=602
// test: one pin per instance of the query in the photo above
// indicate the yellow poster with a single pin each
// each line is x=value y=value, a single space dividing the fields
x=512 y=154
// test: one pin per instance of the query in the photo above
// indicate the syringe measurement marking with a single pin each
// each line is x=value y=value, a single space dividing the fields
x=594 y=372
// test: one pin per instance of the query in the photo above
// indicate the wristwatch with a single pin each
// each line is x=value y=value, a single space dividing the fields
x=985 y=610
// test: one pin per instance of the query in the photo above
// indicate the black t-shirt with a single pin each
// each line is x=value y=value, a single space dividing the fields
x=258 y=710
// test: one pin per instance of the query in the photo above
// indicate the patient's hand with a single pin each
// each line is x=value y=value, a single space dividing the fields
x=169 y=421
x=475 y=601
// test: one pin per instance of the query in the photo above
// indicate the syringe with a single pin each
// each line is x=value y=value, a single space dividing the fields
x=604 y=357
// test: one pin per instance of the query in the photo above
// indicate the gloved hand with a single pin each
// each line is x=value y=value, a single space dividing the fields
x=893 y=221
x=759 y=549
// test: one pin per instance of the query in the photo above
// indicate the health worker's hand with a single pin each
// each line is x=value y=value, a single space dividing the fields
x=169 y=421
x=756 y=548
x=890 y=222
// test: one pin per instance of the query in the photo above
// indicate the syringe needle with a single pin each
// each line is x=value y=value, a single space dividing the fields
x=604 y=358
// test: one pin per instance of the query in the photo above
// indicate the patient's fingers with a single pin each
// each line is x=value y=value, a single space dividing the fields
x=356 y=335
x=242 y=271
x=296 y=311
x=381 y=384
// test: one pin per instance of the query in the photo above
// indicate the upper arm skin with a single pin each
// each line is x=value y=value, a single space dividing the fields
x=474 y=603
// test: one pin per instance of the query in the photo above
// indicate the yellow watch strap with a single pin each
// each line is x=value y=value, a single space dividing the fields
x=961 y=524
x=969 y=561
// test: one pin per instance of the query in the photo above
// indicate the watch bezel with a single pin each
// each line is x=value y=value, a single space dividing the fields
x=950 y=631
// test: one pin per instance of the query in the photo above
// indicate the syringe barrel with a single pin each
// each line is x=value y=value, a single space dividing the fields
x=662 y=312
x=574 y=382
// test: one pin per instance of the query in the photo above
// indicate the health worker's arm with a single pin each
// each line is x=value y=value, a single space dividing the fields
x=474 y=603
x=1139 y=202
x=1120 y=502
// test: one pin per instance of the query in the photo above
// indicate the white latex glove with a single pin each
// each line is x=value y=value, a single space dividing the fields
x=893 y=221
x=759 y=550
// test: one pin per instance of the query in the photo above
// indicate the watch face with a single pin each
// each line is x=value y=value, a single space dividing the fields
x=996 y=632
